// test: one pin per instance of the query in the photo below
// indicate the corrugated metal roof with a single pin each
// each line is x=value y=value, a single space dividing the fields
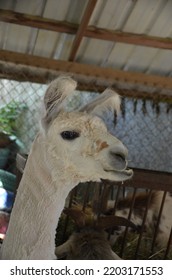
x=147 y=17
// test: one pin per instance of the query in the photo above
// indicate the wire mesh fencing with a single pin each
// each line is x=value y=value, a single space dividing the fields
x=144 y=126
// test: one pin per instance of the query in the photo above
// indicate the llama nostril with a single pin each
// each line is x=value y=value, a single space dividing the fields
x=120 y=156
x=118 y=160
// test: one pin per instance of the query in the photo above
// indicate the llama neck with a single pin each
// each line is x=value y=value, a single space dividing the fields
x=36 y=211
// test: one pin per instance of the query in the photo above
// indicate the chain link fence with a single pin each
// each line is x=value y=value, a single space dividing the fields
x=143 y=126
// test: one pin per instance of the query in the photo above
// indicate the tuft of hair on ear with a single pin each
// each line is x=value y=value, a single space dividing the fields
x=109 y=100
x=58 y=90
x=111 y=103
x=56 y=95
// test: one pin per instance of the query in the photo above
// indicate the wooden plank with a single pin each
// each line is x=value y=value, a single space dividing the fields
x=91 y=32
x=82 y=27
x=129 y=38
x=91 y=72
x=45 y=76
x=37 y=22
x=149 y=179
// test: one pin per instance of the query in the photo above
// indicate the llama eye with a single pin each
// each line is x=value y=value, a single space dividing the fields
x=69 y=135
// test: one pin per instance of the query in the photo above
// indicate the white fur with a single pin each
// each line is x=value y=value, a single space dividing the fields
x=55 y=165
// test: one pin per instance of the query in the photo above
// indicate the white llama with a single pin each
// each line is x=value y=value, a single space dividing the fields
x=71 y=147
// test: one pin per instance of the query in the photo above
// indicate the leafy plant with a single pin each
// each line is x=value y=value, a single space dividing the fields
x=9 y=115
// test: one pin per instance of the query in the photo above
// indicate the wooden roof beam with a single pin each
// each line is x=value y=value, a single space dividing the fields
x=129 y=38
x=82 y=27
x=37 y=22
x=91 y=31
x=31 y=74
x=111 y=76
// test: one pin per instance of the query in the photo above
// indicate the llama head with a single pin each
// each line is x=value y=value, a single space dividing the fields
x=90 y=241
x=78 y=142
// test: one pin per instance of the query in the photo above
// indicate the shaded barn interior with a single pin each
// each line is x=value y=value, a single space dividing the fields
x=100 y=44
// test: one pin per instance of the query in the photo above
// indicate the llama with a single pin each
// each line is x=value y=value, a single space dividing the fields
x=139 y=207
x=90 y=241
x=71 y=147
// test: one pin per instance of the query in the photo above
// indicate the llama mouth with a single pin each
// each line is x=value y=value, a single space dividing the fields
x=122 y=175
x=128 y=172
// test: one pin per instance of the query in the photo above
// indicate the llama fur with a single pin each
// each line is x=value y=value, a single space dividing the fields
x=71 y=147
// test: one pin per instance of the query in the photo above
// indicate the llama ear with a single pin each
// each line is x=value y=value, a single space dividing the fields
x=56 y=96
x=109 y=100
x=113 y=221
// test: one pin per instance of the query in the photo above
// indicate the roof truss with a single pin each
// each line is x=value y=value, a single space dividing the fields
x=84 y=29
x=39 y=69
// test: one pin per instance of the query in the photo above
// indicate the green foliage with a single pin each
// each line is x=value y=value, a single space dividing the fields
x=9 y=115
